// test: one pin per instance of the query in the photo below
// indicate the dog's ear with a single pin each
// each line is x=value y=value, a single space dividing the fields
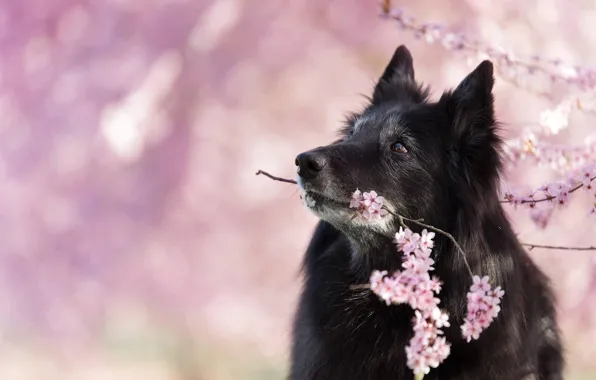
x=397 y=82
x=401 y=66
x=470 y=106
x=473 y=139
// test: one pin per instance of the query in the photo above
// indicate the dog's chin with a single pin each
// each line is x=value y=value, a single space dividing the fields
x=340 y=215
x=327 y=208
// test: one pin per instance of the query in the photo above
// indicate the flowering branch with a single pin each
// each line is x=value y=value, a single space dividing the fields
x=560 y=192
x=510 y=199
x=444 y=233
x=554 y=69
x=413 y=285
x=558 y=157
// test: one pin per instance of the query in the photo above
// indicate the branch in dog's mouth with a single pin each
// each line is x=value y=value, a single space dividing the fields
x=418 y=221
x=275 y=178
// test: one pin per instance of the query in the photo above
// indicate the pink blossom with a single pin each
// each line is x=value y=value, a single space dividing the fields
x=356 y=199
x=480 y=284
x=483 y=307
x=376 y=278
x=368 y=204
x=400 y=294
x=426 y=239
x=423 y=300
x=441 y=319
x=435 y=285
x=493 y=310
x=471 y=330
x=407 y=241
x=497 y=293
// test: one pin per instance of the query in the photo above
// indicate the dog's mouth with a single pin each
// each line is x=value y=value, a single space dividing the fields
x=314 y=199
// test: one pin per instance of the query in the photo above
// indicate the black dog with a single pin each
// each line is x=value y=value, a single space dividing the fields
x=433 y=160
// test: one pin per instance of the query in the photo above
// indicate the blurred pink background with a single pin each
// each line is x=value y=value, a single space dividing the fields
x=137 y=242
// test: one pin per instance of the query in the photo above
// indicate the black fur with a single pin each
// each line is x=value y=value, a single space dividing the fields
x=449 y=177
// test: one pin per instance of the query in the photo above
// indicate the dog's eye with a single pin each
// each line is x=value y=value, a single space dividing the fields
x=399 y=148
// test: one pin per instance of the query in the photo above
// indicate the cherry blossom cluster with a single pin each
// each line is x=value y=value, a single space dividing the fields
x=483 y=307
x=509 y=66
x=369 y=204
x=554 y=194
x=413 y=285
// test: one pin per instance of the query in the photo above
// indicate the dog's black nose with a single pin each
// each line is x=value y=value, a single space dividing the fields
x=310 y=164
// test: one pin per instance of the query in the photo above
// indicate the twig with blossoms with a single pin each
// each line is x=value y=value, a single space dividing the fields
x=554 y=69
x=554 y=194
x=558 y=192
x=361 y=201
x=559 y=157
x=419 y=221
x=483 y=307
x=414 y=286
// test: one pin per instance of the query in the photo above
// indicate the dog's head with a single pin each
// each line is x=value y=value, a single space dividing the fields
x=419 y=155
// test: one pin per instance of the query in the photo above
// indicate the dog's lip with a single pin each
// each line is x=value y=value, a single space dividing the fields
x=320 y=196
x=307 y=190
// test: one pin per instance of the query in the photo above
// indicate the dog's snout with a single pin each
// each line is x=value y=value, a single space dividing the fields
x=310 y=164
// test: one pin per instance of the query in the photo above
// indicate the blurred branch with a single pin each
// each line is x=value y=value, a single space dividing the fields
x=510 y=66
x=275 y=178
x=530 y=246
x=510 y=198
x=385 y=6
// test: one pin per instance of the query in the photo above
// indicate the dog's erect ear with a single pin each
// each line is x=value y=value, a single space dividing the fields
x=400 y=67
x=473 y=138
x=397 y=81
x=470 y=105
x=474 y=93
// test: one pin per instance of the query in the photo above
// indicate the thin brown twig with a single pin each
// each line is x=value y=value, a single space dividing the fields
x=445 y=233
x=532 y=246
x=275 y=178
x=386 y=6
